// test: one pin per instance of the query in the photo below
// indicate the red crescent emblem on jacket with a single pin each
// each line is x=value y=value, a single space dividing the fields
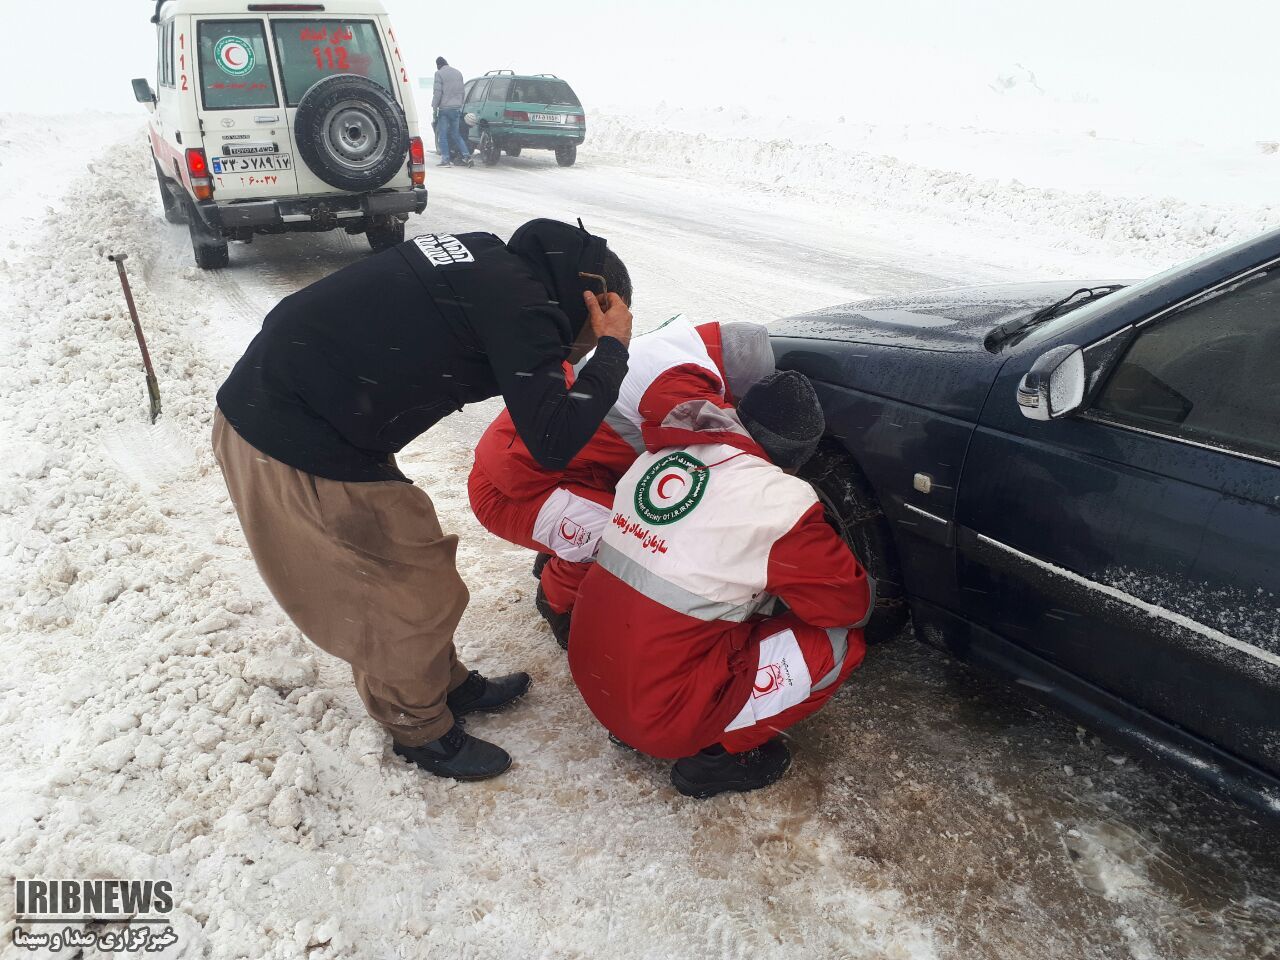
x=772 y=677
x=570 y=530
x=663 y=483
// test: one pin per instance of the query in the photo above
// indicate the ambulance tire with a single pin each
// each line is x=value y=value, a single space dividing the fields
x=351 y=133
x=174 y=212
x=853 y=509
x=209 y=248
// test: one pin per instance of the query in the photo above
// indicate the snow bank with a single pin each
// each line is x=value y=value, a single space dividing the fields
x=39 y=155
x=1165 y=200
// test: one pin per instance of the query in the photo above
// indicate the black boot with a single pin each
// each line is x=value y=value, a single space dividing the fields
x=458 y=755
x=479 y=694
x=559 y=622
x=539 y=562
x=715 y=770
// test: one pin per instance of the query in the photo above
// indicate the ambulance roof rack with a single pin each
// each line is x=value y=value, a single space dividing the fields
x=500 y=73
x=549 y=76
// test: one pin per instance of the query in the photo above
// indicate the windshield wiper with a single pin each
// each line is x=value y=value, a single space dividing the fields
x=1007 y=331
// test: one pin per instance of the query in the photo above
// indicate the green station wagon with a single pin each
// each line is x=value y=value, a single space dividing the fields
x=503 y=111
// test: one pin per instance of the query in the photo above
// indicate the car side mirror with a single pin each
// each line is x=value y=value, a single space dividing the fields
x=142 y=91
x=1054 y=386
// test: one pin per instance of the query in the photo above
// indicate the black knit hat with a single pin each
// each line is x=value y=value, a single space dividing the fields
x=558 y=252
x=783 y=415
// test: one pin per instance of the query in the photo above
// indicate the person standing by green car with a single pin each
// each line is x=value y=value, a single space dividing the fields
x=446 y=103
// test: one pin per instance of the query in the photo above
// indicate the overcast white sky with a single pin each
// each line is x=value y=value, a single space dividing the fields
x=1191 y=69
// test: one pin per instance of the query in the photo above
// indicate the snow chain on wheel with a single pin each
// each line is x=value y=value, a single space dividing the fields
x=852 y=508
x=351 y=133
x=489 y=150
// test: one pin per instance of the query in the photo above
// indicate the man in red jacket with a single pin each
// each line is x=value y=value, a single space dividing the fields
x=561 y=513
x=671 y=647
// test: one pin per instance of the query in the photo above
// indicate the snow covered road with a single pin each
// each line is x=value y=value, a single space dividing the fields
x=164 y=719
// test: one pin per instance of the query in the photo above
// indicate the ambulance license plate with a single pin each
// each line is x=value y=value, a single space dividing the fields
x=274 y=161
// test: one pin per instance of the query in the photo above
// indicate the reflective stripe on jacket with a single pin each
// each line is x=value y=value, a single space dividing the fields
x=702 y=538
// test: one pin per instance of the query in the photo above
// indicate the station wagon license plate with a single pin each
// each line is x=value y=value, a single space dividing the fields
x=549 y=117
x=275 y=161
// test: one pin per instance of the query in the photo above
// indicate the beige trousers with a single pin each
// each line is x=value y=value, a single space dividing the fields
x=365 y=571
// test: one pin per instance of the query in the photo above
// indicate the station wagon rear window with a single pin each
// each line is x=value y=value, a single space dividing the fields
x=235 y=65
x=538 y=90
x=311 y=50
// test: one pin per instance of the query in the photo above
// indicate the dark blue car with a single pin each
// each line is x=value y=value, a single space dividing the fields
x=1077 y=485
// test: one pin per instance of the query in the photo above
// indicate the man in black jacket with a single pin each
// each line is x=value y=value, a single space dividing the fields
x=347 y=371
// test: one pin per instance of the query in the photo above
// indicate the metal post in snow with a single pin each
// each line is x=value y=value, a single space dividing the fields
x=153 y=386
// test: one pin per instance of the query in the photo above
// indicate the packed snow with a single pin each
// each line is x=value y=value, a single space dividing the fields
x=1162 y=200
x=165 y=720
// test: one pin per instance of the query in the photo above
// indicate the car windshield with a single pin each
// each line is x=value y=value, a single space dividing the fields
x=311 y=50
x=540 y=90
x=1084 y=314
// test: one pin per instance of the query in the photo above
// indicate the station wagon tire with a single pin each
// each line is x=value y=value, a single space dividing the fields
x=565 y=156
x=513 y=151
x=383 y=236
x=489 y=152
x=852 y=508
x=174 y=211
x=209 y=248
x=351 y=133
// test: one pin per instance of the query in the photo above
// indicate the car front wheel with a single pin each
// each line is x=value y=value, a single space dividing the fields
x=489 y=151
x=565 y=156
x=852 y=508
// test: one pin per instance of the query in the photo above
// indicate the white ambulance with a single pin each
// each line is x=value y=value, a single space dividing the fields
x=275 y=117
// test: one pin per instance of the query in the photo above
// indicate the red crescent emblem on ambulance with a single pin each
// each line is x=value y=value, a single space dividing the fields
x=229 y=56
x=663 y=483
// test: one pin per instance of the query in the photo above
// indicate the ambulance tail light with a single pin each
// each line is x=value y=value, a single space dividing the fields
x=417 y=162
x=198 y=174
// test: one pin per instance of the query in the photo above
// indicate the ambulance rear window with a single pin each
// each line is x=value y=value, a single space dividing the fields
x=235 y=65
x=311 y=50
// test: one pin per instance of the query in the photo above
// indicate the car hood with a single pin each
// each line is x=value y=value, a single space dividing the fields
x=955 y=319
x=925 y=349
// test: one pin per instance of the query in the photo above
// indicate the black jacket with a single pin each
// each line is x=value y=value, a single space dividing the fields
x=347 y=371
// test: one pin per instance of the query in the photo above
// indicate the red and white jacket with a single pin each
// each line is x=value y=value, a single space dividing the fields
x=705 y=533
x=657 y=370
